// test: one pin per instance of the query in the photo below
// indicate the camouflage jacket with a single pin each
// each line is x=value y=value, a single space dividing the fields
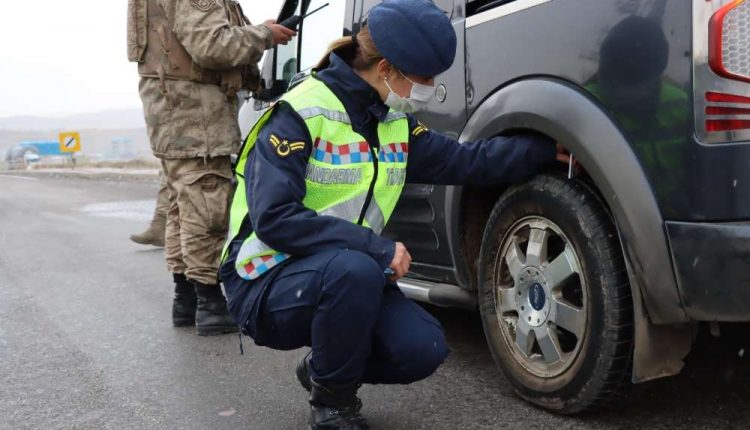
x=190 y=119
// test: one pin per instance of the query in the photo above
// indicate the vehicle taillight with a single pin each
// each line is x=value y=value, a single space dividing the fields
x=726 y=98
x=729 y=46
x=713 y=125
x=719 y=110
x=717 y=115
x=721 y=71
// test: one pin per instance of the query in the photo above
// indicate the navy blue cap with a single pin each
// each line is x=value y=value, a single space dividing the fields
x=413 y=35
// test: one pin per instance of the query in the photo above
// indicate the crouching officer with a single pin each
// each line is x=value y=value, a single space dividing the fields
x=319 y=177
x=193 y=57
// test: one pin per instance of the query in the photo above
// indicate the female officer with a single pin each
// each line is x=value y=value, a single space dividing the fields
x=319 y=177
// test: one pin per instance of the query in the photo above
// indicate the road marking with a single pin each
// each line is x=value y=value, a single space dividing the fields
x=135 y=210
x=25 y=178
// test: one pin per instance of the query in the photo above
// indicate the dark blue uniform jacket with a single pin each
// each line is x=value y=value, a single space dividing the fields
x=275 y=185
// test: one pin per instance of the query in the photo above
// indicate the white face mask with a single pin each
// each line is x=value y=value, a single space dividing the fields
x=418 y=99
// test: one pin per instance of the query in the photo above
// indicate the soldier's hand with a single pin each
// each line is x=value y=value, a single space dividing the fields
x=401 y=262
x=281 y=34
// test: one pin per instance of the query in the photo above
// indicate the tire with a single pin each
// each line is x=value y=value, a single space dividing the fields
x=554 y=296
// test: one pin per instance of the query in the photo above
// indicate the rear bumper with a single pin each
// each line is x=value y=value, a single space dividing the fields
x=712 y=262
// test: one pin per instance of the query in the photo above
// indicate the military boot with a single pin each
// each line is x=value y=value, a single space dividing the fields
x=185 y=302
x=335 y=407
x=303 y=375
x=154 y=235
x=211 y=316
x=303 y=371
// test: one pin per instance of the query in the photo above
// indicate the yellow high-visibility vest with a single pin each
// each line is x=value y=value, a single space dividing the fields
x=341 y=169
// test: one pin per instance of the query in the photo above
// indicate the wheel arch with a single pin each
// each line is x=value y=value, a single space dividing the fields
x=562 y=111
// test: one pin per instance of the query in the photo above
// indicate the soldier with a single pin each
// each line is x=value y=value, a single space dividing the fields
x=193 y=56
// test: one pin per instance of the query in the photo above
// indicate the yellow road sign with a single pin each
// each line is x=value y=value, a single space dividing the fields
x=70 y=142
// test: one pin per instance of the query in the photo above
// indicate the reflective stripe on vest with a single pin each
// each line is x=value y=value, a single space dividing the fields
x=340 y=171
x=347 y=210
x=343 y=117
x=358 y=152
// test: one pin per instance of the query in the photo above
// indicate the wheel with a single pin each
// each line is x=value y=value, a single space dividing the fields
x=554 y=296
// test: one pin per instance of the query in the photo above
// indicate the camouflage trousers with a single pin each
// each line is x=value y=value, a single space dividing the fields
x=162 y=199
x=198 y=218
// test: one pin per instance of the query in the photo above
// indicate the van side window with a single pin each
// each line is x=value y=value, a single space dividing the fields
x=286 y=58
x=319 y=30
x=478 y=6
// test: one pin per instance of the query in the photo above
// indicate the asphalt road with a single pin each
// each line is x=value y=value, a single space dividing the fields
x=86 y=343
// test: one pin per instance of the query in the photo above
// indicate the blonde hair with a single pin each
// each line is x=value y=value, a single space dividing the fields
x=360 y=54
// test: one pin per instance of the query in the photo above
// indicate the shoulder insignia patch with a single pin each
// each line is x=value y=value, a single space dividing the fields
x=203 y=5
x=284 y=148
x=419 y=129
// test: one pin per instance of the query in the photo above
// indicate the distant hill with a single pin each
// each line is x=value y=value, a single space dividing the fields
x=122 y=119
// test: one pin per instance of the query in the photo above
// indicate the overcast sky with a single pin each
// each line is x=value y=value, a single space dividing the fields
x=61 y=57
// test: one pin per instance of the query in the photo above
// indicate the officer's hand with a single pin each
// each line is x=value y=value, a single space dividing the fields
x=281 y=34
x=401 y=262
x=563 y=155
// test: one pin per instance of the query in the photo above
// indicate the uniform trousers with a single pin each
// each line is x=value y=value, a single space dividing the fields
x=162 y=198
x=200 y=190
x=360 y=328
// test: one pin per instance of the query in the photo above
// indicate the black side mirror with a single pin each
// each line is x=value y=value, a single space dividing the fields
x=277 y=90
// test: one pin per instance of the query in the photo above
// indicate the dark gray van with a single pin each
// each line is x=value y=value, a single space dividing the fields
x=587 y=281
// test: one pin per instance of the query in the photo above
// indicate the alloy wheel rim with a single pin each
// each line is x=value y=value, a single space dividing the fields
x=540 y=297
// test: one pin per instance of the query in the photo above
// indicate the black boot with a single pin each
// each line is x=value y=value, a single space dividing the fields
x=303 y=375
x=303 y=371
x=185 y=301
x=335 y=407
x=211 y=316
